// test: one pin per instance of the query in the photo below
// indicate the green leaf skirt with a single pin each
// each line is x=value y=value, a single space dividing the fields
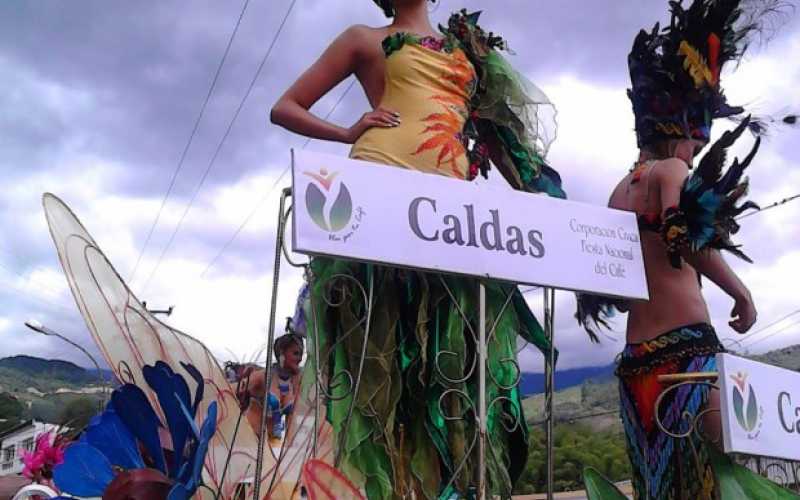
x=413 y=426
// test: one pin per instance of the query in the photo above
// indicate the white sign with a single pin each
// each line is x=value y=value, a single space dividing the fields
x=760 y=406
x=377 y=213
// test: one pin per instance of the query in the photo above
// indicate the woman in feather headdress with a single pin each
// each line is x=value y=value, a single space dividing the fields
x=443 y=103
x=685 y=220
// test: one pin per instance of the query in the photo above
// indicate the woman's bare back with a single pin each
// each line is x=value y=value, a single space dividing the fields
x=675 y=296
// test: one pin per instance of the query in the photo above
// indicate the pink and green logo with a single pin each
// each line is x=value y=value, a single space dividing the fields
x=318 y=195
x=745 y=405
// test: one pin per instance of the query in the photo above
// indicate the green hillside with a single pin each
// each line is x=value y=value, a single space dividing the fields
x=46 y=369
x=53 y=391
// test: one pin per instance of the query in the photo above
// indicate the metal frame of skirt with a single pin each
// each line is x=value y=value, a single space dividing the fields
x=480 y=338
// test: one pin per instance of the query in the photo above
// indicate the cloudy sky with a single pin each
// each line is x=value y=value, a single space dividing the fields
x=100 y=98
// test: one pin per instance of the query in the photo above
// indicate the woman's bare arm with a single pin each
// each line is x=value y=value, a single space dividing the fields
x=339 y=61
x=670 y=175
x=709 y=263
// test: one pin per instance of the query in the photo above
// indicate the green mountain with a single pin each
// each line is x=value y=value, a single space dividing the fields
x=53 y=369
x=53 y=391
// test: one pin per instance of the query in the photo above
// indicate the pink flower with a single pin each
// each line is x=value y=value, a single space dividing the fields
x=40 y=462
x=432 y=43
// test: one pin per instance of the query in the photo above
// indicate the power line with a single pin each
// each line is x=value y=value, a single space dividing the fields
x=779 y=330
x=753 y=334
x=750 y=337
x=219 y=146
x=247 y=219
x=773 y=205
x=189 y=142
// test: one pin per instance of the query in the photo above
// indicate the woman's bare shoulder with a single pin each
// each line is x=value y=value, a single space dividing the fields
x=360 y=39
x=617 y=199
x=670 y=168
x=359 y=33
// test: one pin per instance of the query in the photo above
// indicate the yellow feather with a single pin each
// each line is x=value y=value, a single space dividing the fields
x=669 y=129
x=696 y=65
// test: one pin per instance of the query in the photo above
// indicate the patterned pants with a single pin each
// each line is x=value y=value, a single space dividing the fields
x=666 y=467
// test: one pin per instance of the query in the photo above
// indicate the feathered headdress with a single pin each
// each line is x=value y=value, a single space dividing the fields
x=675 y=72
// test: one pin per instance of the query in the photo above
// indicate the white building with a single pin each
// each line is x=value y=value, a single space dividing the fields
x=18 y=439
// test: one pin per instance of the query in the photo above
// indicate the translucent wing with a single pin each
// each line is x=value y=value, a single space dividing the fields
x=129 y=337
x=323 y=482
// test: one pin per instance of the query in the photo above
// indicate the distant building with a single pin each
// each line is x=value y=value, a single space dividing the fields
x=18 y=439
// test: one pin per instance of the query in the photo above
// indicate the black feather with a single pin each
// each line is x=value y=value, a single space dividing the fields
x=734 y=173
x=595 y=311
x=710 y=166
x=711 y=200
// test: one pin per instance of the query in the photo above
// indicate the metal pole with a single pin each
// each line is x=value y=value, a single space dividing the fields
x=287 y=192
x=37 y=327
x=482 y=391
x=549 y=321
x=316 y=360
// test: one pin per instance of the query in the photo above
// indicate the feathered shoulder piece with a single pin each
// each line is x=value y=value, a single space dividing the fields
x=596 y=311
x=675 y=72
x=710 y=202
x=511 y=118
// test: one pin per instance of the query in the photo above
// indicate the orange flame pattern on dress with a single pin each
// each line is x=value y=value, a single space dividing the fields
x=448 y=125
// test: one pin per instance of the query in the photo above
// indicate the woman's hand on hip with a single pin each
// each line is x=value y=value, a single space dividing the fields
x=380 y=117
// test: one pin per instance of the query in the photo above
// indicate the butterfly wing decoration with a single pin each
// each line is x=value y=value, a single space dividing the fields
x=130 y=337
x=323 y=482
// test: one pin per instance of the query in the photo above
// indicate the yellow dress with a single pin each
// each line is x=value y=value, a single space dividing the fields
x=410 y=430
x=430 y=88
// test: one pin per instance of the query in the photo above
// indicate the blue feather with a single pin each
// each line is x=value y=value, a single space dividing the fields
x=133 y=407
x=710 y=201
x=190 y=421
x=185 y=472
x=198 y=457
x=85 y=471
x=198 y=378
x=112 y=438
x=172 y=393
x=178 y=492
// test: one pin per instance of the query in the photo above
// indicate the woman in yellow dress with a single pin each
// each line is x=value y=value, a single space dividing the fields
x=443 y=103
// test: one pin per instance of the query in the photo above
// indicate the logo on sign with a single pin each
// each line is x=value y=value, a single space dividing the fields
x=339 y=216
x=745 y=406
x=316 y=199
